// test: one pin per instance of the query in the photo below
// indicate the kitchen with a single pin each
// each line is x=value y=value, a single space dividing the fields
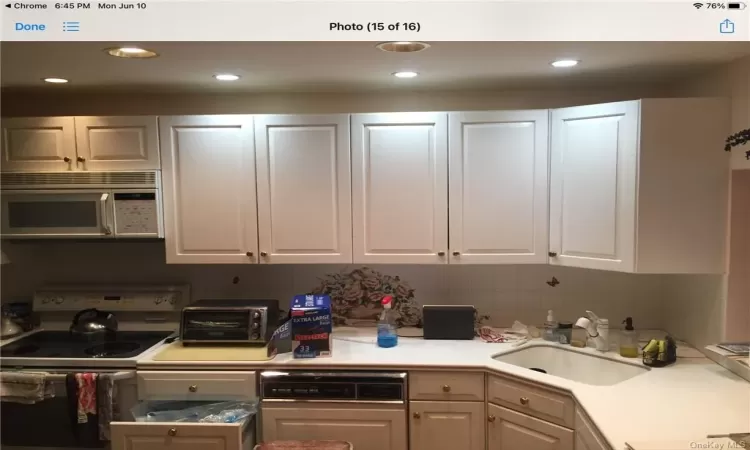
x=358 y=215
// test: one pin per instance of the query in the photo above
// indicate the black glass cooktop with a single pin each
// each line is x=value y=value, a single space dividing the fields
x=61 y=344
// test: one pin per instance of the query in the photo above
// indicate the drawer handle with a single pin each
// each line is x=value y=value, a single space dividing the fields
x=193 y=388
x=490 y=418
x=524 y=401
x=446 y=388
x=416 y=415
x=172 y=432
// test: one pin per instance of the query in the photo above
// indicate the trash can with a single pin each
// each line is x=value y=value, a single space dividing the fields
x=304 y=445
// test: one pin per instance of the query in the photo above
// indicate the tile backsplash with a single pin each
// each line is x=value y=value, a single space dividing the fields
x=504 y=292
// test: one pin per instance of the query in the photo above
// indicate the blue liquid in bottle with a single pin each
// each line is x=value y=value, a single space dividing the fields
x=387 y=336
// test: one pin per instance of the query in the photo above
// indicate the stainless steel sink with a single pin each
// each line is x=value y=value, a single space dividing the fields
x=572 y=364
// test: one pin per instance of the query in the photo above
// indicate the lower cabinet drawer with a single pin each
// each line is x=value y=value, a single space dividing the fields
x=365 y=426
x=512 y=430
x=537 y=401
x=446 y=385
x=196 y=385
x=182 y=436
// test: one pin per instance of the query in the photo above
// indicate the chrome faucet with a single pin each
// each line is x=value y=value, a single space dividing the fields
x=591 y=325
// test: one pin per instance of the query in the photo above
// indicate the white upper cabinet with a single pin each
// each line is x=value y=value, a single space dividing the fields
x=208 y=169
x=61 y=144
x=38 y=144
x=498 y=187
x=117 y=143
x=304 y=189
x=640 y=186
x=400 y=187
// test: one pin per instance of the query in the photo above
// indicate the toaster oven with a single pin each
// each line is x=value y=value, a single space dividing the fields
x=229 y=321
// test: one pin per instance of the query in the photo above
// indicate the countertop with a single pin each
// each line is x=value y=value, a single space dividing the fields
x=680 y=403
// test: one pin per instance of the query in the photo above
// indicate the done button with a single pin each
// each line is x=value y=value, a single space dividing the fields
x=20 y=26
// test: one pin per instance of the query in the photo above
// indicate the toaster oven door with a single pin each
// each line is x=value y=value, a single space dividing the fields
x=215 y=326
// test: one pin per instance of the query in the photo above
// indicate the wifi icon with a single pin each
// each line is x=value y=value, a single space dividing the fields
x=698 y=5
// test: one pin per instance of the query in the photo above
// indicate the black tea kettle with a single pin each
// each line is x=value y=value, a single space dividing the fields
x=93 y=325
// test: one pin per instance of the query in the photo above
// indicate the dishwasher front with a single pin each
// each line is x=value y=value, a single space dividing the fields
x=367 y=409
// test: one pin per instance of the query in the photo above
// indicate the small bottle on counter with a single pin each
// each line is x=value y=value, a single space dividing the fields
x=550 y=328
x=602 y=327
x=387 y=336
x=565 y=332
x=628 y=340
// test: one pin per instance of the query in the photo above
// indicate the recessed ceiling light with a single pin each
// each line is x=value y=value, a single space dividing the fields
x=131 y=52
x=55 y=80
x=405 y=74
x=564 y=63
x=227 y=77
x=403 y=46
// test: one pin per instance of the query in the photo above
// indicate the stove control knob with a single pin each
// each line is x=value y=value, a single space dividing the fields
x=254 y=336
x=255 y=326
x=256 y=315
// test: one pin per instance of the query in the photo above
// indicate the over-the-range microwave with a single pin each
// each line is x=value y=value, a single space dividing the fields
x=81 y=205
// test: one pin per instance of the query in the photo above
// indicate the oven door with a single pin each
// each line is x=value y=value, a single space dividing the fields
x=52 y=424
x=56 y=214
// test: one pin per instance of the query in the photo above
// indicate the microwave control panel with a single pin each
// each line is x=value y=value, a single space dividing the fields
x=136 y=213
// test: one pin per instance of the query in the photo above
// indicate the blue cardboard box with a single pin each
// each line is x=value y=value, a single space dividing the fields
x=311 y=326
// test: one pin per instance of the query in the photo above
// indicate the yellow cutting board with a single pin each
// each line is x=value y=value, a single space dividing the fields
x=178 y=352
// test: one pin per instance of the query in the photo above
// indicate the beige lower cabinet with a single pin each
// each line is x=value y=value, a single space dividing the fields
x=181 y=436
x=447 y=425
x=366 y=426
x=587 y=436
x=511 y=430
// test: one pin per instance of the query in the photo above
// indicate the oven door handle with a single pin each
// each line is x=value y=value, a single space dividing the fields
x=104 y=215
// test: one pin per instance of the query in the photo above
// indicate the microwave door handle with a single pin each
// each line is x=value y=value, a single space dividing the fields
x=104 y=215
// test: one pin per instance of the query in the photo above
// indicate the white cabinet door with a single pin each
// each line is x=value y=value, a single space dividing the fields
x=594 y=153
x=400 y=188
x=498 y=187
x=38 y=144
x=208 y=168
x=366 y=427
x=447 y=426
x=117 y=143
x=178 y=436
x=304 y=189
x=511 y=430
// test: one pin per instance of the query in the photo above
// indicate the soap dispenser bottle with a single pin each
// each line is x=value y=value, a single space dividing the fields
x=387 y=336
x=550 y=328
x=628 y=340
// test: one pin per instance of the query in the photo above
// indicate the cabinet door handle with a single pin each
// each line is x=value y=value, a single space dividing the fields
x=552 y=254
x=524 y=401
x=172 y=432
x=193 y=388
x=446 y=388
x=416 y=415
x=264 y=254
x=81 y=159
x=66 y=159
x=456 y=253
x=249 y=254
x=490 y=418
x=441 y=253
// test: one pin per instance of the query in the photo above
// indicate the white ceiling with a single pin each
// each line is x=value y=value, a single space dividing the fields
x=346 y=66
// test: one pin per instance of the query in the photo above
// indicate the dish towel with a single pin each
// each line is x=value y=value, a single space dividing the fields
x=25 y=387
x=106 y=407
x=81 y=392
x=86 y=395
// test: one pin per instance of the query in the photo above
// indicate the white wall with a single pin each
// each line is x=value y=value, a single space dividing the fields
x=97 y=103
x=506 y=293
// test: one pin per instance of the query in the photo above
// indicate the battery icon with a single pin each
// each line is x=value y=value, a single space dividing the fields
x=736 y=5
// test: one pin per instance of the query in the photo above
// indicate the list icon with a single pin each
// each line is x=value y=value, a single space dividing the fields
x=71 y=26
